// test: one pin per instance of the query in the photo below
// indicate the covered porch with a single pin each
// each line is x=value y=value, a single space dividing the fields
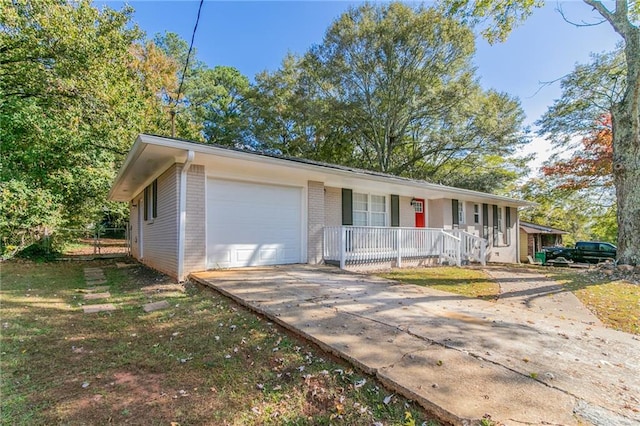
x=348 y=245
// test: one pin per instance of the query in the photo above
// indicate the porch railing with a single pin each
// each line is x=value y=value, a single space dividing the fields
x=359 y=244
x=474 y=248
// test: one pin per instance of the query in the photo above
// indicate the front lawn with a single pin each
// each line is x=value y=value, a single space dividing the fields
x=205 y=360
x=463 y=281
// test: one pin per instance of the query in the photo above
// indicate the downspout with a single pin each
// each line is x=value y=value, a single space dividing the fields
x=182 y=225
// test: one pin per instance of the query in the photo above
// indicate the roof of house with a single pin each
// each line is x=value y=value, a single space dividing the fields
x=533 y=228
x=151 y=154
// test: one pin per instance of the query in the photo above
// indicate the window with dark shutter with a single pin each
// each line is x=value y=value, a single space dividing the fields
x=507 y=232
x=347 y=206
x=154 y=199
x=146 y=203
x=454 y=213
x=395 y=210
x=485 y=221
x=495 y=226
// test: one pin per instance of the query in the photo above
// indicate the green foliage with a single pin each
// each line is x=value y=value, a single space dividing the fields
x=217 y=101
x=76 y=86
x=574 y=211
x=391 y=88
x=496 y=18
x=27 y=214
x=70 y=101
x=589 y=93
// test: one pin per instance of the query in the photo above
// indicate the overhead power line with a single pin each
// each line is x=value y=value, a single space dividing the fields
x=186 y=66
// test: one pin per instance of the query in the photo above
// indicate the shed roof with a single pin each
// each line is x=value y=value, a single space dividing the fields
x=533 y=228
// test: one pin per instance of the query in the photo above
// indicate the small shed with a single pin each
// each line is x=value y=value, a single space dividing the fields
x=533 y=237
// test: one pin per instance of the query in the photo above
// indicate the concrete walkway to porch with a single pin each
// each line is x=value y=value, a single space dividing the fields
x=460 y=358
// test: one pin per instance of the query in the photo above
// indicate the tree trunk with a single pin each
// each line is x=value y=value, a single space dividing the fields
x=626 y=155
x=626 y=172
x=625 y=117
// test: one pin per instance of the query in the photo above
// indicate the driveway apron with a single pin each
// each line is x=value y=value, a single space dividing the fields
x=460 y=358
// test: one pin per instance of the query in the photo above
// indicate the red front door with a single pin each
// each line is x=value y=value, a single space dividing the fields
x=418 y=206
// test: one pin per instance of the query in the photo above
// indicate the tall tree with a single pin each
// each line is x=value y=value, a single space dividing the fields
x=393 y=89
x=71 y=102
x=589 y=167
x=624 y=18
x=288 y=116
x=216 y=100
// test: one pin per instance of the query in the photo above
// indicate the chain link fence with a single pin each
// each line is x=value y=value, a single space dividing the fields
x=97 y=241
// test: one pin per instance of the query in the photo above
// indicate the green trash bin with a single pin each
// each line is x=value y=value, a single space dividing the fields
x=541 y=256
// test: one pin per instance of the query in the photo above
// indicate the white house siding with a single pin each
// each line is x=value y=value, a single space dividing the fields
x=407 y=212
x=160 y=234
x=195 y=257
x=332 y=206
x=469 y=225
x=504 y=253
x=439 y=213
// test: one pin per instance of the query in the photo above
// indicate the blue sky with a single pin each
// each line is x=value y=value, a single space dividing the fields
x=255 y=35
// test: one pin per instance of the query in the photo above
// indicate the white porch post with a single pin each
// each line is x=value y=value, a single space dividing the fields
x=483 y=253
x=399 y=245
x=459 y=252
x=343 y=247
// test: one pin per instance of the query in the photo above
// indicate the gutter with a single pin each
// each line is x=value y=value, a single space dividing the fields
x=182 y=224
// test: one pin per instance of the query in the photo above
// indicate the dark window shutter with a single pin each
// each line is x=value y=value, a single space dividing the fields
x=507 y=231
x=495 y=225
x=395 y=210
x=146 y=203
x=454 y=213
x=347 y=206
x=154 y=198
x=485 y=221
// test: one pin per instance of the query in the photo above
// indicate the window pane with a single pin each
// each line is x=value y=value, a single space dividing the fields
x=378 y=219
x=378 y=203
x=360 y=218
x=360 y=202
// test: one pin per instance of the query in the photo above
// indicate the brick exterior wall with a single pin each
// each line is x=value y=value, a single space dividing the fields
x=333 y=206
x=160 y=235
x=407 y=213
x=315 y=221
x=195 y=225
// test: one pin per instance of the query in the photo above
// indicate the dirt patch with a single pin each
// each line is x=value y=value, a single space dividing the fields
x=120 y=397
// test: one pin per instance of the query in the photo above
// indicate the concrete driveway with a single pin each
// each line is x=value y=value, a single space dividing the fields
x=460 y=358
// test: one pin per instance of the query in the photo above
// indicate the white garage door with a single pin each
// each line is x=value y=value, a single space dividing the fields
x=251 y=224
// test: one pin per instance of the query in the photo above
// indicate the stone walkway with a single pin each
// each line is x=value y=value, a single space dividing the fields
x=96 y=291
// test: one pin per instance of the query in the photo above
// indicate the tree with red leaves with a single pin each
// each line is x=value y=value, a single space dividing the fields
x=589 y=167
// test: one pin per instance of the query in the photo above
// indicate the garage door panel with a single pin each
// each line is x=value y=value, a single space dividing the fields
x=252 y=224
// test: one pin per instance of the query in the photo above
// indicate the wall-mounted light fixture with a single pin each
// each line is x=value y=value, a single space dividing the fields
x=414 y=202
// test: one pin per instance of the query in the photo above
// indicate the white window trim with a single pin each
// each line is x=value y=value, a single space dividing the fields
x=368 y=211
x=502 y=238
x=461 y=213
x=476 y=213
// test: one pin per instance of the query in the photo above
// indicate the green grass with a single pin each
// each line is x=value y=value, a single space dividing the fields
x=205 y=360
x=466 y=282
x=615 y=303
